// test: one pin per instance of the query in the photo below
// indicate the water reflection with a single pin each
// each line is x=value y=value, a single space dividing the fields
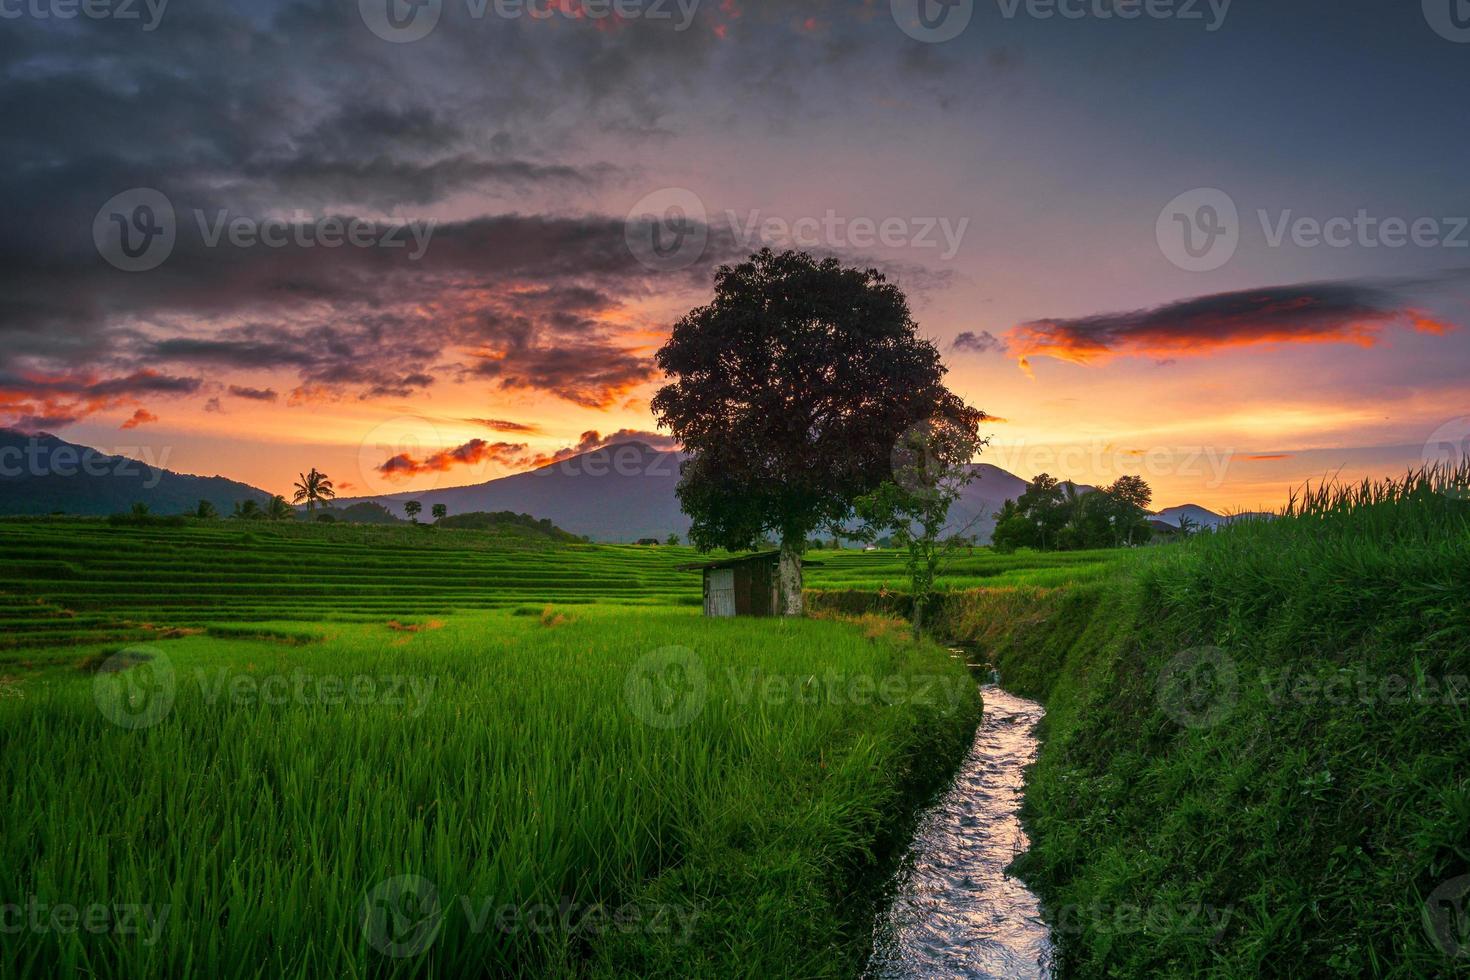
x=955 y=912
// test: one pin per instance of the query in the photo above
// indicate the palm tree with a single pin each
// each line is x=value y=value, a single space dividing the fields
x=313 y=488
x=247 y=510
x=206 y=510
x=277 y=509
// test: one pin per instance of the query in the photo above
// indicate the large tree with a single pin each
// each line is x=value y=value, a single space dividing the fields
x=790 y=391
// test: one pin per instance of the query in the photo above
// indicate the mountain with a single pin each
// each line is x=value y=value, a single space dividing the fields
x=973 y=513
x=621 y=492
x=1201 y=516
x=41 y=474
x=625 y=491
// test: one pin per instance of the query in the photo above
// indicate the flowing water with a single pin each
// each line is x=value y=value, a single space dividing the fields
x=955 y=912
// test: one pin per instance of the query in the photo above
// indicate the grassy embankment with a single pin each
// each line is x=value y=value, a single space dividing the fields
x=593 y=788
x=1257 y=748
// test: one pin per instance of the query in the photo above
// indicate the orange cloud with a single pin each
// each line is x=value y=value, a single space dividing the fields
x=141 y=417
x=469 y=454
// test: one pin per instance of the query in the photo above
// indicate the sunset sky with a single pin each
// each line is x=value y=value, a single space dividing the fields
x=1033 y=178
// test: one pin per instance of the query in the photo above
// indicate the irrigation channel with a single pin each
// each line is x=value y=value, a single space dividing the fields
x=954 y=911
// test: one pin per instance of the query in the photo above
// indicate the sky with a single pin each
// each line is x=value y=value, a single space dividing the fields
x=1222 y=245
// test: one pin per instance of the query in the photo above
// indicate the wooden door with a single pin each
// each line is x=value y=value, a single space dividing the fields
x=719 y=592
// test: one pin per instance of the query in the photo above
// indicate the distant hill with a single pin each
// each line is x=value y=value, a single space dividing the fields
x=1201 y=516
x=621 y=492
x=363 y=512
x=41 y=474
x=618 y=493
x=506 y=522
x=625 y=491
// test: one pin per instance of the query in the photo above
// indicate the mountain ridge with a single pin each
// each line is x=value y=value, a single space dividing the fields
x=620 y=492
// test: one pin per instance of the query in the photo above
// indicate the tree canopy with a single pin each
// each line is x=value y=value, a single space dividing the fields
x=789 y=391
x=1054 y=515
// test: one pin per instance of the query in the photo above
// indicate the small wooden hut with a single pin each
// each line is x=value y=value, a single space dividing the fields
x=743 y=586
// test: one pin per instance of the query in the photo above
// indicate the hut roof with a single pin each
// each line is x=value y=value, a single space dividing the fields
x=697 y=566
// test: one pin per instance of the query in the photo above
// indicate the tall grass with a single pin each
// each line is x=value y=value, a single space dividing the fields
x=528 y=786
x=1257 y=754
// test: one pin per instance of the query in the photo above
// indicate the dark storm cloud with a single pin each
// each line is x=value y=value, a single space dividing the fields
x=33 y=402
x=266 y=109
x=254 y=394
x=505 y=425
x=594 y=373
x=983 y=342
x=1327 y=312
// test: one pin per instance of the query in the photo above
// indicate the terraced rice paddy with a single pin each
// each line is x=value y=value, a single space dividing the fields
x=76 y=581
x=964 y=569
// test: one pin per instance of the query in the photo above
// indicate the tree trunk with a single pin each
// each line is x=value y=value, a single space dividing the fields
x=918 y=617
x=789 y=578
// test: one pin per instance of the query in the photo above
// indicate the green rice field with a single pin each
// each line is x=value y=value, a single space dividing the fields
x=72 y=581
x=308 y=750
